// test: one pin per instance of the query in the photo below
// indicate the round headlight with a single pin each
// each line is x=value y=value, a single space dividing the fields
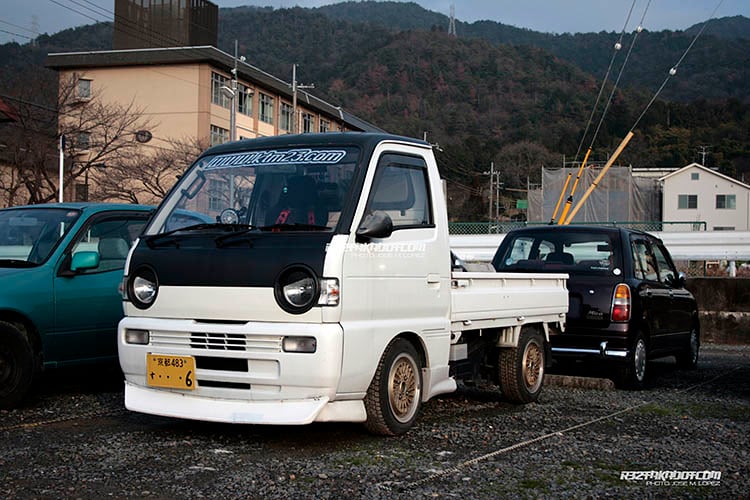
x=296 y=290
x=143 y=287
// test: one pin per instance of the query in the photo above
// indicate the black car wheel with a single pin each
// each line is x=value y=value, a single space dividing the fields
x=16 y=366
x=688 y=358
x=633 y=374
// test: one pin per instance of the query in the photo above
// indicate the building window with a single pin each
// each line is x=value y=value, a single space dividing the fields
x=83 y=141
x=285 y=117
x=694 y=176
x=325 y=125
x=727 y=201
x=219 y=135
x=216 y=190
x=685 y=201
x=82 y=192
x=244 y=100
x=723 y=228
x=308 y=122
x=83 y=91
x=217 y=96
x=266 y=108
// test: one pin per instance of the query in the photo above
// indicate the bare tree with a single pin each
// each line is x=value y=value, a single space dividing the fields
x=522 y=161
x=147 y=176
x=97 y=132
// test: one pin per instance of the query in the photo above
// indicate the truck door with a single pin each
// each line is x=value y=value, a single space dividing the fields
x=399 y=283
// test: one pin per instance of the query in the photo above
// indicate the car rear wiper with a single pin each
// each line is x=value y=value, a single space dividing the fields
x=17 y=263
x=170 y=237
x=293 y=227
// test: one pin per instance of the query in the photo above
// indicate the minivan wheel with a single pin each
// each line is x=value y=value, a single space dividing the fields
x=16 y=366
x=688 y=358
x=633 y=374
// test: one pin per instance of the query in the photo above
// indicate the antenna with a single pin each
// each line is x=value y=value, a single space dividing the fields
x=452 y=22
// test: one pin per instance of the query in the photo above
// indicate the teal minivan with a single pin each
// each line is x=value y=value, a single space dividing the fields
x=60 y=268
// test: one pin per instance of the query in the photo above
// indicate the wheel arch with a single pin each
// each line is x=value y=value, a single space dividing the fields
x=24 y=324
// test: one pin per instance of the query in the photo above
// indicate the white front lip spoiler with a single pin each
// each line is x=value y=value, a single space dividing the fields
x=279 y=412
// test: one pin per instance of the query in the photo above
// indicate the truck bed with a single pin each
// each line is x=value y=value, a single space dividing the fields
x=493 y=300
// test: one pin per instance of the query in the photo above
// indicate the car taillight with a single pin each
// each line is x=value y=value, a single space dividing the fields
x=621 y=303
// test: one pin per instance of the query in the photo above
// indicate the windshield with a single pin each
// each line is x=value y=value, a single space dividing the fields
x=555 y=251
x=298 y=189
x=30 y=235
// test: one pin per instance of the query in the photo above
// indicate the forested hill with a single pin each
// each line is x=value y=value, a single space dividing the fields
x=513 y=96
x=722 y=50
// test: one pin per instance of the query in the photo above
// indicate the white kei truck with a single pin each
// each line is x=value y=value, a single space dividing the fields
x=321 y=287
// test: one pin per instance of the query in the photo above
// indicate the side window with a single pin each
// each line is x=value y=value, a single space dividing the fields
x=400 y=189
x=645 y=263
x=111 y=238
x=666 y=271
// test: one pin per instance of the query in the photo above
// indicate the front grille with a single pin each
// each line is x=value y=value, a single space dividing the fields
x=218 y=341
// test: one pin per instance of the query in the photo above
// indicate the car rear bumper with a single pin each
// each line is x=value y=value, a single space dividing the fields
x=603 y=351
x=611 y=343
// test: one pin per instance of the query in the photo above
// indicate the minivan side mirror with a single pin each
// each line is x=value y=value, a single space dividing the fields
x=374 y=225
x=84 y=260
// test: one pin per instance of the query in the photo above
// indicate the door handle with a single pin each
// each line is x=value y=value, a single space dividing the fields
x=433 y=278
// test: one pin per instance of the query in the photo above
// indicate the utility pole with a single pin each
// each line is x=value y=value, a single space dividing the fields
x=231 y=94
x=295 y=87
x=452 y=21
x=703 y=152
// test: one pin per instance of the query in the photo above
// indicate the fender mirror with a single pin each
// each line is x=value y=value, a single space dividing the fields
x=375 y=225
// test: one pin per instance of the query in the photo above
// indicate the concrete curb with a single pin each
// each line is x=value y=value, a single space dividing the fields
x=602 y=384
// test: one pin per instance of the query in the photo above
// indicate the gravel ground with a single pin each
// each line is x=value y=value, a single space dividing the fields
x=75 y=440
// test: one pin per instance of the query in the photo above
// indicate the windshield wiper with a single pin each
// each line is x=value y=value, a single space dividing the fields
x=240 y=235
x=293 y=227
x=17 y=263
x=171 y=237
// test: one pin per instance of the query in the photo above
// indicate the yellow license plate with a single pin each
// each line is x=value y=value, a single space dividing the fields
x=177 y=372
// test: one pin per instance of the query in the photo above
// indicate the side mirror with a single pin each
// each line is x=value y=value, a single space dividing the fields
x=84 y=260
x=375 y=225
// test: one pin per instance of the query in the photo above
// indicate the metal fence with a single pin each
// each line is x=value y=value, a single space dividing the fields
x=504 y=227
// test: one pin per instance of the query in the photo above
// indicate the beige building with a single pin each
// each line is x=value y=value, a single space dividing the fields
x=697 y=194
x=180 y=91
x=184 y=94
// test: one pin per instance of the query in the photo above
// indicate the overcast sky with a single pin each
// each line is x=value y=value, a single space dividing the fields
x=21 y=20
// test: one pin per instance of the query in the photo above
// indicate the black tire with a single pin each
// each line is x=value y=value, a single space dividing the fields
x=394 y=397
x=16 y=366
x=521 y=368
x=633 y=374
x=688 y=359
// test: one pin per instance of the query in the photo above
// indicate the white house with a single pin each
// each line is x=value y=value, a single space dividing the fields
x=697 y=194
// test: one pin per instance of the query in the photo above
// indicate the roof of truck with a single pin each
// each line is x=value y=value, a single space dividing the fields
x=361 y=139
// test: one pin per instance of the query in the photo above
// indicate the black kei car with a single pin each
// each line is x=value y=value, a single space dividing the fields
x=627 y=302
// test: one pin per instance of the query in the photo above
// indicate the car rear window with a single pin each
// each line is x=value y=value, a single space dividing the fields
x=557 y=251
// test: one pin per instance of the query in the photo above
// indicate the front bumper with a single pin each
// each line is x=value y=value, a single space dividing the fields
x=242 y=372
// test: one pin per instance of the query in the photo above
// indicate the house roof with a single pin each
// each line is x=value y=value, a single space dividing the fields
x=707 y=170
x=201 y=54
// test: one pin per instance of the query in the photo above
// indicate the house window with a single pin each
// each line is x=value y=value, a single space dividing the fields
x=285 y=117
x=83 y=91
x=217 y=96
x=723 y=228
x=244 y=100
x=219 y=135
x=266 y=108
x=727 y=201
x=325 y=125
x=694 y=176
x=685 y=201
x=308 y=122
